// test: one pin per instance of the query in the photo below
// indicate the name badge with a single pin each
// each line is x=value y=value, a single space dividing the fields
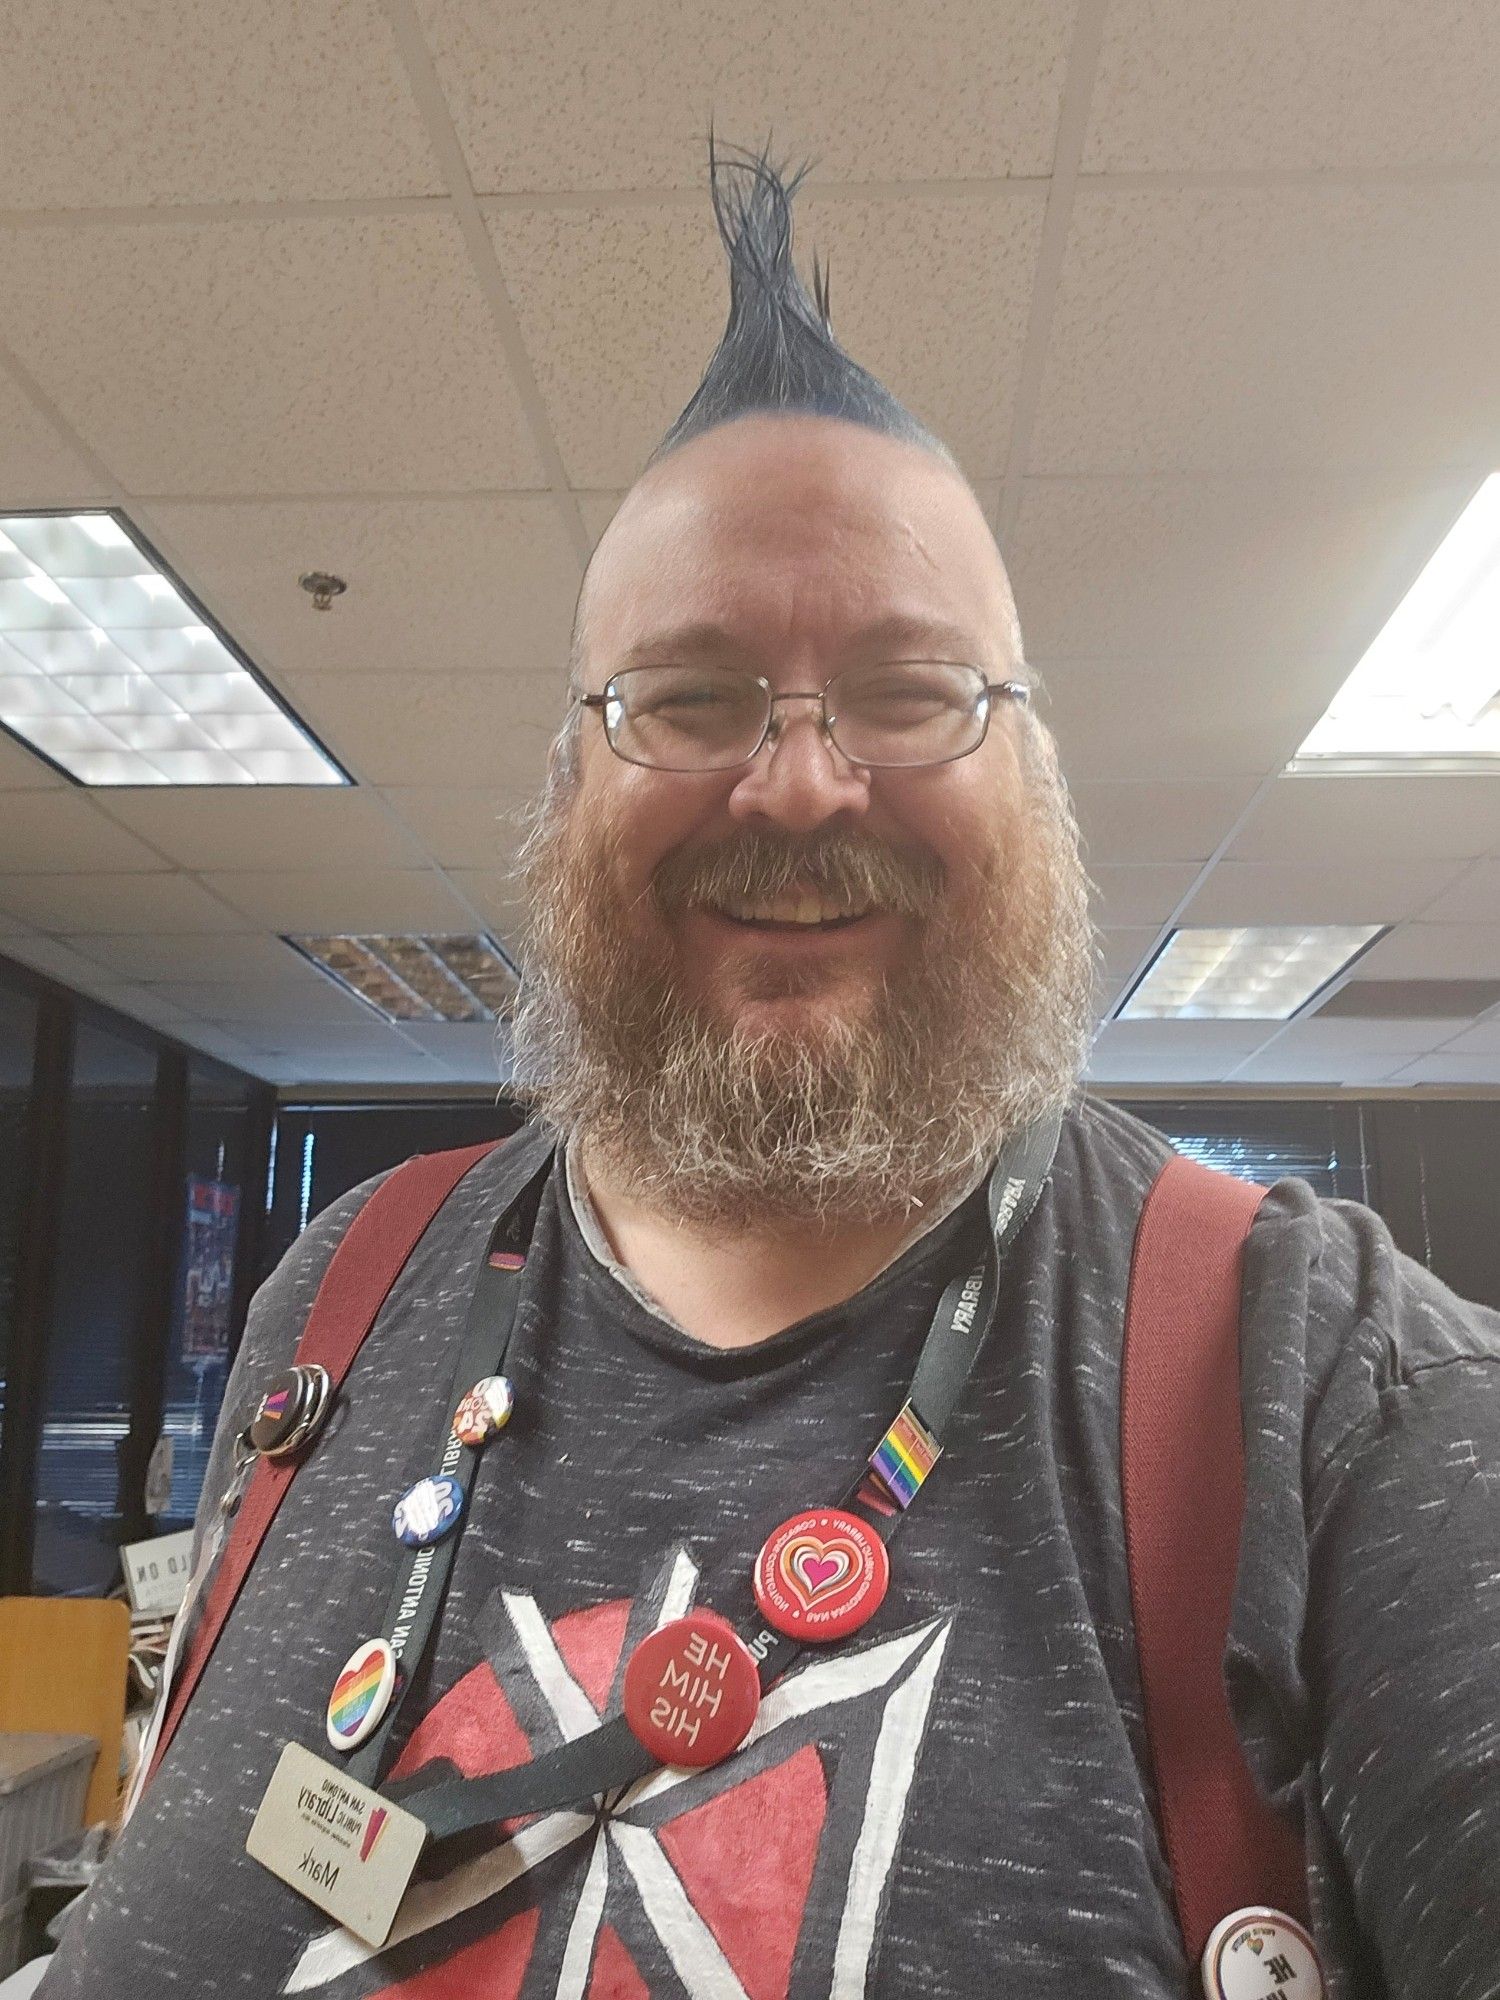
x=339 y=1844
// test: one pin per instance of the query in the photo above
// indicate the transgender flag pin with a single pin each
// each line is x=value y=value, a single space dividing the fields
x=361 y=1694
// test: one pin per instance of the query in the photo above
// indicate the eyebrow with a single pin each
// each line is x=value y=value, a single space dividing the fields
x=897 y=636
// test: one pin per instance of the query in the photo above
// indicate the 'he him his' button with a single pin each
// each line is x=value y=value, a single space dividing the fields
x=425 y=1512
x=692 y=1691
x=1261 y=1954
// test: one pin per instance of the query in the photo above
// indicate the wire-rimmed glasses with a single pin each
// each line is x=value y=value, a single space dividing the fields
x=888 y=714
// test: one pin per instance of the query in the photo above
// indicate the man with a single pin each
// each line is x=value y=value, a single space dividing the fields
x=810 y=953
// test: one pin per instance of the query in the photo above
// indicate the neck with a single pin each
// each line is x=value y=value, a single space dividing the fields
x=732 y=1286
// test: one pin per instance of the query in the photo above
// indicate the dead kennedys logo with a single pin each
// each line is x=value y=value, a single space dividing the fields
x=759 y=1879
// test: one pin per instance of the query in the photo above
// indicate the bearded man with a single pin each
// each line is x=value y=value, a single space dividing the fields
x=806 y=1003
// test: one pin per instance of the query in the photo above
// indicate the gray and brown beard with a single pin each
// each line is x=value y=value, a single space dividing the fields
x=890 y=1107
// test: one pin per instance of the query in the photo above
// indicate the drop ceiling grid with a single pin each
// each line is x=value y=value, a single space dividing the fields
x=1161 y=547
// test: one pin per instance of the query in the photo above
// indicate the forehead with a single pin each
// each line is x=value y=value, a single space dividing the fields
x=796 y=533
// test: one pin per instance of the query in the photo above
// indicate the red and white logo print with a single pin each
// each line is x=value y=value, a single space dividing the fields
x=691 y=1882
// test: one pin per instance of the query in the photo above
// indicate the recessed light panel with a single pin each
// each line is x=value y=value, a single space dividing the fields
x=418 y=978
x=1245 y=975
x=1428 y=689
x=110 y=672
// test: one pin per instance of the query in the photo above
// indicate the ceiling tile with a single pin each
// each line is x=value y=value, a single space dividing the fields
x=621 y=307
x=313 y=827
x=1138 y=893
x=1171 y=1051
x=1157 y=822
x=566 y=96
x=1433 y=951
x=1346 y=84
x=1450 y=1069
x=38 y=466
x=481 y=583
x=598 y=509
x=496 y=895
x=460 y=827
x=344 y=900
x=117 y=905
x=1343 y=816
x=427 y=730
x=172 y=103
x=1142 y=720
x=312 y=355
x=1223 y=571
x=1206 y=329
x=1340 y=1036
x=215 y=957
x=1123 y=951
x=1483 y=1039
x=482 y=1046
x=934 y=297
x=59 y=961
x=21 y=770
x=1355 y=892
x=272 y=1004
x=64 y=832
x=233 y=1049
x=1474 y=897
x=1286 y=1060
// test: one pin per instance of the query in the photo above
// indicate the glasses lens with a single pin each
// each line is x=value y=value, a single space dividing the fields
x=684 y=718
x=908 y=712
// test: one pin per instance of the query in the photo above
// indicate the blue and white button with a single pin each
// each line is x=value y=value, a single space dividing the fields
x=425 y=1512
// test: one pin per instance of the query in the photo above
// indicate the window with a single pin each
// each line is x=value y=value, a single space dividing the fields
x=99 y=1302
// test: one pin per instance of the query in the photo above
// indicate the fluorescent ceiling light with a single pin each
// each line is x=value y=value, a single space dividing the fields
x=1245 y=975
x=110 y=671
x=418 y=978
x=1428 y=686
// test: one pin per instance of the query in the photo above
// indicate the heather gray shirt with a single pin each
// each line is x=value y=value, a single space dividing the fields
x=953 y=1802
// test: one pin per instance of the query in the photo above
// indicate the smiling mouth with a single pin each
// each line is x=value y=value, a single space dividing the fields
x=798 y=912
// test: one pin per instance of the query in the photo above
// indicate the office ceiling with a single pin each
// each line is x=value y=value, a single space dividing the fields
x=1204 y=297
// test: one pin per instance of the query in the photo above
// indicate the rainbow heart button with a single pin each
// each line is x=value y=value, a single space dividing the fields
x=821 y=1575
x=361 y=1694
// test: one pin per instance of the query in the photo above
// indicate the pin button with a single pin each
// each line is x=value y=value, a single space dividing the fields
x=692 y=1691
x=484 y=1411
x=1256 y=1953
x=425 y=1512
x=821 y=1575
x=361 y=1694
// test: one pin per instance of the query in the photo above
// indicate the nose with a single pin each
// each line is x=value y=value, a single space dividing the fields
x=798 y=780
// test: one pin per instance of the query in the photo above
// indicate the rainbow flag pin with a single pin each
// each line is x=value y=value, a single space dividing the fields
x=904 y=1456
x=361 y=1694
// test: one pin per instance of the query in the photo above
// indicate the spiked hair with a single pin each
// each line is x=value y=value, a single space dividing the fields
x=777 y=351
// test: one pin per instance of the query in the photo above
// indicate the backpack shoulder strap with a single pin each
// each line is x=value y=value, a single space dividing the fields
x=1183 y=1480
x=364 y=1267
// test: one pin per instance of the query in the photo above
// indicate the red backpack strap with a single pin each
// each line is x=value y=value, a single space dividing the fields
x=364 y=1267
x=1183 y=1478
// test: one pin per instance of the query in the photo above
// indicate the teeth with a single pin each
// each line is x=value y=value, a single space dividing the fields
x=793 y=908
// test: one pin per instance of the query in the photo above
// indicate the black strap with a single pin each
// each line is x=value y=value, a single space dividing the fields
x=421 y=1585
x=611 y=1757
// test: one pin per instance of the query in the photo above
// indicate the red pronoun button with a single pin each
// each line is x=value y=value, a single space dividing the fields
x=692 y=1691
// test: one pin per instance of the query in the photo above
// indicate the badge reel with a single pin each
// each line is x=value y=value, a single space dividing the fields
x=291 y=1412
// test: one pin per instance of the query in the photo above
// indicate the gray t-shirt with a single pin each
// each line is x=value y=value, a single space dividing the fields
x=953 y=1802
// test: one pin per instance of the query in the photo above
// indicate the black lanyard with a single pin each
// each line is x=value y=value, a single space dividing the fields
x=610 y=1756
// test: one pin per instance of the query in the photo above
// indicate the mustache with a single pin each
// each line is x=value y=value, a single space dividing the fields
x=842 y=866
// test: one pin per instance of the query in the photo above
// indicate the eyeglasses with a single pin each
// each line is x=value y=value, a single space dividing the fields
x=892 y=714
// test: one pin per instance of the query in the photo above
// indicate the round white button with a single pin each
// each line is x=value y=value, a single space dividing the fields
x=1260 y=1954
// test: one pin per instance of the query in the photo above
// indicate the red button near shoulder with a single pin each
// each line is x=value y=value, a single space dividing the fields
x=692 y=1691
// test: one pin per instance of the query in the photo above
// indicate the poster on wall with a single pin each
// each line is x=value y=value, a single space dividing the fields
x=213 y=1210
